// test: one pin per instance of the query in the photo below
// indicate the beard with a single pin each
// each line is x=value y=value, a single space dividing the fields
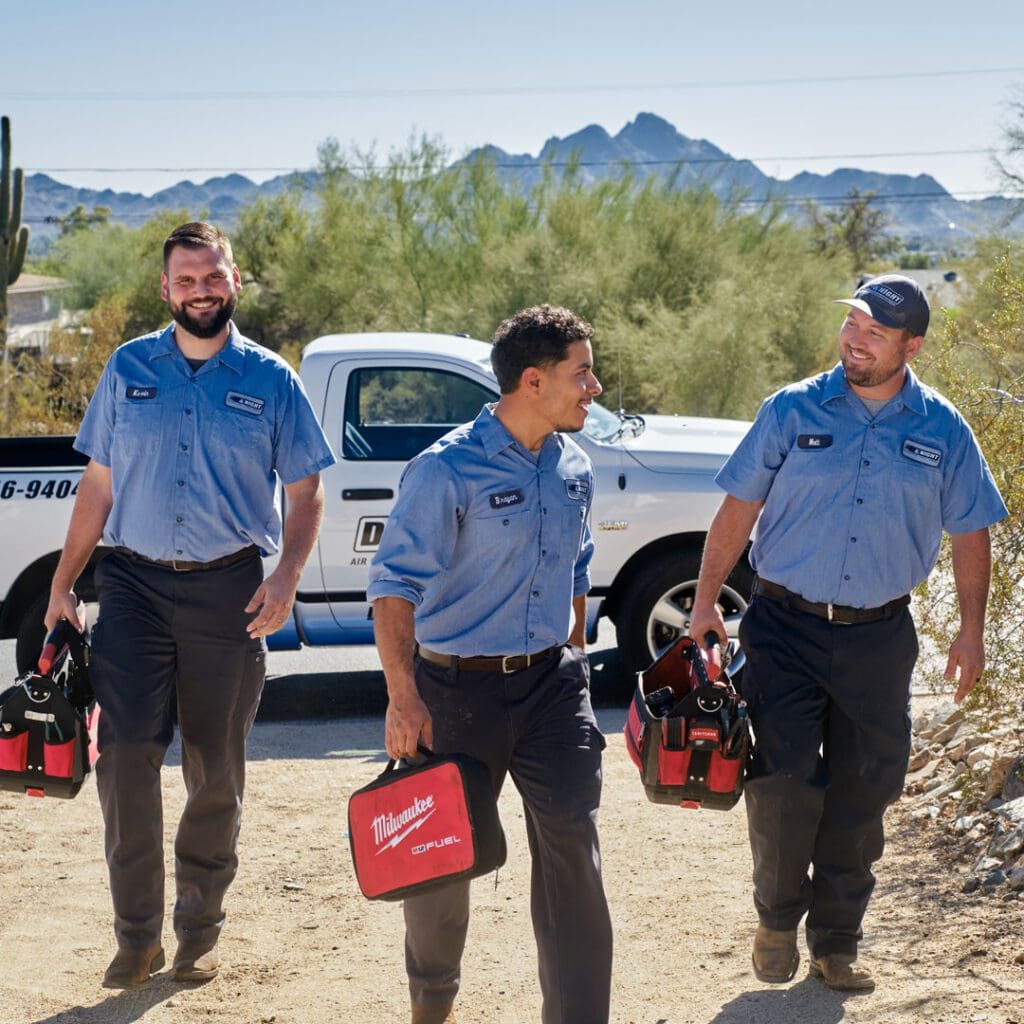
x=871 y=375
x=205 y=328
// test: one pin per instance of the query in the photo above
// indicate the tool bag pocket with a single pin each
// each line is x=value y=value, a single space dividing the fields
x=44 y=740
x=688 y=737
x=418 y=827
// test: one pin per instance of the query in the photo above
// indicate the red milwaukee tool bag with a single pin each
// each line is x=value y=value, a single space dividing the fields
x=688 y=735
x=48 y=721
x=418 y=827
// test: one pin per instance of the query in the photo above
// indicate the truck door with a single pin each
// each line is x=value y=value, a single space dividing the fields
x=390 y=411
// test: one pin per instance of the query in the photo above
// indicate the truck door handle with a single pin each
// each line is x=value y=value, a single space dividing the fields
x=367 y=494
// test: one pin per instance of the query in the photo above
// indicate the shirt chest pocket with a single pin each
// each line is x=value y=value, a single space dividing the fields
x=914 y=493
x=241 y=433
x=137 y=429
x=504 y=535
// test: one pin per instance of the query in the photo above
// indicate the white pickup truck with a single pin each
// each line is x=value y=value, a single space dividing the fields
x=382 y=398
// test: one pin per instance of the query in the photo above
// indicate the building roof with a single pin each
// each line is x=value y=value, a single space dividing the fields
x=37 y=283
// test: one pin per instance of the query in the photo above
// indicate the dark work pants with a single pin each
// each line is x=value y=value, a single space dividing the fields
x=161 y=632
x=538 y=726
x=829 y=705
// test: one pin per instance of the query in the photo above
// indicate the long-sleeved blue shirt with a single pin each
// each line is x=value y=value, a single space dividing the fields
x=489 y=542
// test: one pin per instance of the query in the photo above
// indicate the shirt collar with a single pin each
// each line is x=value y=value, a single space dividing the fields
x=493 y=435
x=911 y=395
x=232 y=355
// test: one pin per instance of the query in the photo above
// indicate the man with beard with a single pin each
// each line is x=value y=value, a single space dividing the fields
x=188 y=433
x=855 y=473
x=479 y=599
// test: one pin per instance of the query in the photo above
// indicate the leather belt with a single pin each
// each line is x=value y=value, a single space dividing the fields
x=837 y=614
x=498 y=663
x=178 y=566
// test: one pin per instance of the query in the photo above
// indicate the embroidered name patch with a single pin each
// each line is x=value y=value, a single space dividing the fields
x=922 y=453
x=134 y=394
x=506 y=499
x=577 y=489
x=813 y=441
x=244 y=403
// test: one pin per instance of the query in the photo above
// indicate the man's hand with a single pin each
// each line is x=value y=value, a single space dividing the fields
x=406 y=721
x=966 y=653
x=707 y=619
x=62 y=606
x=273 y=599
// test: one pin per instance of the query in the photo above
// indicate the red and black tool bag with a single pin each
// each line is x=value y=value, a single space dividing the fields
x=689 y=736
x=421 y=826
x=48 y=721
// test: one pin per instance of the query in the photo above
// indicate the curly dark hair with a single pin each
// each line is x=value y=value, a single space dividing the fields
x=538 y=336
x=198 y=235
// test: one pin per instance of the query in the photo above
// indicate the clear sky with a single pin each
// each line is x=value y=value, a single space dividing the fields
x=200 y=89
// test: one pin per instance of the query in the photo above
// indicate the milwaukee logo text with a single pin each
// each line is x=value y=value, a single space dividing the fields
x=391 y=829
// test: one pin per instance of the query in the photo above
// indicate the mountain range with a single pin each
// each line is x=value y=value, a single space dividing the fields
x=921 y=211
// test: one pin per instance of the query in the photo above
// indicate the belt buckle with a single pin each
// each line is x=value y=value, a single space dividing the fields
x=505 y=659
x=174 y=566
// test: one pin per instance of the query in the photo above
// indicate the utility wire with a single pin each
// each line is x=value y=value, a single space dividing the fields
x=482 y=90
x=685 y=161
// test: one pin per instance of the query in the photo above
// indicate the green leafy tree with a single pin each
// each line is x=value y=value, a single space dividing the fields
x=857 y=228
x=979 y=365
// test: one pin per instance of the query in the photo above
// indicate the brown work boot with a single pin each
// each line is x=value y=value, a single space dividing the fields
x=775 y=956
x=131 y=968
x=839 y=971
x=195 y=961
x=442 y=1014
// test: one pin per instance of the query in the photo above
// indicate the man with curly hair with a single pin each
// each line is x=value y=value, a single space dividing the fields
x=479 y=588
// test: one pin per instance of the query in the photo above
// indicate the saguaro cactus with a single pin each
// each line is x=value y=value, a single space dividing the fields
x=13 y=234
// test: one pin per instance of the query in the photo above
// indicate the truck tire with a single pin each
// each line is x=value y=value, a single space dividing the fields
x=31 y=633
x=655 y=608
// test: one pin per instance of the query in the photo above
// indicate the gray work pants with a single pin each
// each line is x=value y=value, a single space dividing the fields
x=162 y=632
x=829 y=705
x=538 y=726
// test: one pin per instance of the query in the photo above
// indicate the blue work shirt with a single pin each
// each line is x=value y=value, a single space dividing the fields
x=194 y=457
x=489 y=542
x=854 y=507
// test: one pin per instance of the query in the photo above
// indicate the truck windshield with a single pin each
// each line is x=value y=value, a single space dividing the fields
x=603 y=425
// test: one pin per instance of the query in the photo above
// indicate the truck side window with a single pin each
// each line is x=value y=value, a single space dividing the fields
x=393 y=414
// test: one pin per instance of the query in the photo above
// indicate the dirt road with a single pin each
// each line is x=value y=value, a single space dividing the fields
x=301 y=946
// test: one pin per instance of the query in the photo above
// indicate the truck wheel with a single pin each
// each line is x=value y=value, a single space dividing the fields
x=31 y=633
x=655 y=608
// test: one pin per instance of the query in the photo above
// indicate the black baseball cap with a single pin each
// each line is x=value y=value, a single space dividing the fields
x=893 y=300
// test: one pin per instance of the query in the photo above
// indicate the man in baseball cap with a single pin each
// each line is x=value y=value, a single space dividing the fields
x=852 y=476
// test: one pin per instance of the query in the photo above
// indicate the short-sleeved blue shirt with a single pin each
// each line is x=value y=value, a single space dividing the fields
x=489 y=542
x=195 y=456
x=854 y=507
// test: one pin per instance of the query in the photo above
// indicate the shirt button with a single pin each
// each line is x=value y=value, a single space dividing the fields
x=178 y=551
x=531 y=636
x=873 y=426
x=504 y=522
x=179 y=519
x=853 y=540
x=846 y=577
x=544 y=551
x=184 y=447
x=188 y=412
x=860 y=501
x=867 y=462
x=545 y=511
x=536 y=593
x=181 y=483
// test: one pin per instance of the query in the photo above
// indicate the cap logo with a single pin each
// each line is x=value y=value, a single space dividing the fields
x=890 y=296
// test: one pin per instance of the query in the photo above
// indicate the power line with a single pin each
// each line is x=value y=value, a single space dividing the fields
x=893 y=198
x=988 y=150
x=477 y=90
